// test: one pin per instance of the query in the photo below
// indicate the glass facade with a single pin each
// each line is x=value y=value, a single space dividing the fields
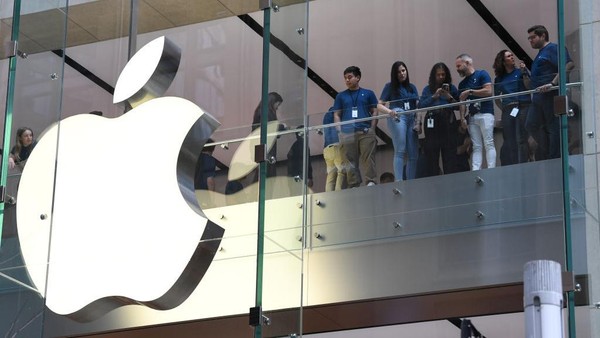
x=310 y=107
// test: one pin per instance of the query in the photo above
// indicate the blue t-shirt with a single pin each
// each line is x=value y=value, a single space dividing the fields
x=404 y=98
x=363 y=99
x=476 y=81
x=545 y=65
x=330 y=135
x=428 y=101
x=511 y=83
x=205 y=168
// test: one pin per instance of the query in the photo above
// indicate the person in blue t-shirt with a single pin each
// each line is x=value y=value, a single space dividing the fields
x=475 y=85
x=541 y=122
x=357 y=140
x=334 y=161
x=509 y=79
x=440 y=125
x=398 y=96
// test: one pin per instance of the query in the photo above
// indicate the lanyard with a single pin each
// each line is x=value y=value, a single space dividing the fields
x=355 y=99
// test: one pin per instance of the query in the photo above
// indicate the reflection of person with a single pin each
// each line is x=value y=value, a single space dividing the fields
x=397 y=96
x=24 y=144
x=334 y=161
x=357 y=140
x=440 y=124
x=274 y=101
x=205 y=169
x=509 y=79
x=295 y=158
x=541 y=122
x=476 y=84
x=232 y=192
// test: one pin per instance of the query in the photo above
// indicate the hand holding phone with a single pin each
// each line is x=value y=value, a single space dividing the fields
x=446 y=87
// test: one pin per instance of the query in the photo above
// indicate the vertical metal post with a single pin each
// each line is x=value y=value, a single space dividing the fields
x=262 y=167
x=10 y=99
x=133 y=23
x=564 y=155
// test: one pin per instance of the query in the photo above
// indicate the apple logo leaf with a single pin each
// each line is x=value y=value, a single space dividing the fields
x=107 y=214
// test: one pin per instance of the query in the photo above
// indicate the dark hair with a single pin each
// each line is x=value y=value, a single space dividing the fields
x=498 y=66
x=19 y=144
x=432 y=84
x=274 y=98
x=539 y=30
x=394 y=83
x=354 y=70
x=386 y=177
x=210 y=148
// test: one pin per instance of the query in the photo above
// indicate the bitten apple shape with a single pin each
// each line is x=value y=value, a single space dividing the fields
x=107 y=214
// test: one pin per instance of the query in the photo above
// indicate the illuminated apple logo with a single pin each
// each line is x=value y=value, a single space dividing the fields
x=107 y=215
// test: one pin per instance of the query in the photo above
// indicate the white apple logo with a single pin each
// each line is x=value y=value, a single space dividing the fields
x=124 y=225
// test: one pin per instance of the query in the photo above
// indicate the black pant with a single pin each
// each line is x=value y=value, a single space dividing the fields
x=515 y=146
x=442 y=138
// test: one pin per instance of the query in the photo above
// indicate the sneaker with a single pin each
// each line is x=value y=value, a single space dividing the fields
x=370 y=184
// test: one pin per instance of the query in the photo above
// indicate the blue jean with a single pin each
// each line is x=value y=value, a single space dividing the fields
x=405 y=141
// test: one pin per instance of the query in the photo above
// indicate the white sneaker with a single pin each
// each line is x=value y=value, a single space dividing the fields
x=370 y=184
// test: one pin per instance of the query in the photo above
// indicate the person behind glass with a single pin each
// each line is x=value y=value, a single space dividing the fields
x=204 y=178
x=440 y=124
x=357 y=140
x=400 y=95
x=24 y=144
x=476 y=84
x=273 y=103
x=509 y=79
x=334 y=161
x=295 y=163
x=541 y=122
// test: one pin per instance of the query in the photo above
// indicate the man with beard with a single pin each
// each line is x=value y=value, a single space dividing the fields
x=476 y=84
x=541 y=122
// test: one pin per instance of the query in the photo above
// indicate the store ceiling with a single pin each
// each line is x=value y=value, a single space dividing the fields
x=109 y=19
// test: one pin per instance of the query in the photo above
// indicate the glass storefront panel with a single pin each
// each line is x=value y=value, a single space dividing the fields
x=33 y=105
x=289 y=177
x=579 y=34
x=449 y=227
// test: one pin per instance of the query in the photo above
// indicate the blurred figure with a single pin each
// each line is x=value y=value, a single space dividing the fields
x=24 y=144
x=334 y=161
x=400 y=95
x=440 y=125
x=358 y=142
x=476 y=84
x=204 y=178
x=541 y=122
x=274 y=101
x=295 y=163
x=509 y=79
